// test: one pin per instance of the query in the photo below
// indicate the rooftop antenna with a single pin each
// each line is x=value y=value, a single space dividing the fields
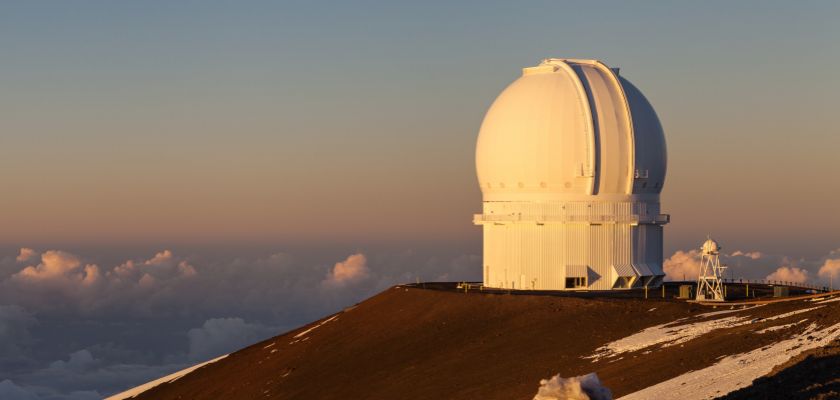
x=709 y=285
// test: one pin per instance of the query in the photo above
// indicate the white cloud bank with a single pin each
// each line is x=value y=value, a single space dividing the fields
x=683 y=265
x=61 y=281
x=830 y=270
x=352 y=270
x=57 y=265
x=50 y=303
x=585 y=387
x=789 y=274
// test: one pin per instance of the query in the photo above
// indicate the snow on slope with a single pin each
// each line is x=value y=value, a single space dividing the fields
x=666 y=335
x=130 y=393
x=315 y=327
x=673 y=333
x=737 y=371
x=301 y=337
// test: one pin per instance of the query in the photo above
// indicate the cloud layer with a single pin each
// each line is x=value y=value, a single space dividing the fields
x=75 y=328
x=218 y=336
x=789 y=274
x=682 y=265
x=685 y=264
x=830 y=270
x=70 y=326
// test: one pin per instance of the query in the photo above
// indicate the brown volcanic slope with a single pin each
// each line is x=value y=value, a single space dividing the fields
x=412 y=343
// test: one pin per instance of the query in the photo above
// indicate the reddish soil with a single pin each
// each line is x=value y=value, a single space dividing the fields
x=413 y=343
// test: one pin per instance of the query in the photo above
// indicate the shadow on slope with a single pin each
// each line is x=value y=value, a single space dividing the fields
x=815 y=377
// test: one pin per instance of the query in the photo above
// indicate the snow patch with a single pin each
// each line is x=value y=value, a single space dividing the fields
x=671 y=333
x=737 y=371
x=131 y=393
x=315 y=327
x=732 y=310
x=780 y=327
x=585 y=387
x=666 y=335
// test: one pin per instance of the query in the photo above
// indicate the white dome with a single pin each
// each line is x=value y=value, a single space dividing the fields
x=570 y=130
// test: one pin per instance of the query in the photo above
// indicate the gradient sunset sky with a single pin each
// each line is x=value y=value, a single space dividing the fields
x=214 y=122
x=183 y=178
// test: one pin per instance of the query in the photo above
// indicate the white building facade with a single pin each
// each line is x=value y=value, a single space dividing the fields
x=571 y=159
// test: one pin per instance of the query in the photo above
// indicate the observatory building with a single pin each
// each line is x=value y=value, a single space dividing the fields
x=571 y=160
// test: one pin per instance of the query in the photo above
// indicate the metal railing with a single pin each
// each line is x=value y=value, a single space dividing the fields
x=660 y=218
x=800 y=285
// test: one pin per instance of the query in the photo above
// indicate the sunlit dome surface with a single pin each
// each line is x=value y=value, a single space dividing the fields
x=570 y=129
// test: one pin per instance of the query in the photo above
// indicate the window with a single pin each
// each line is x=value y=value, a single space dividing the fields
x=575 y=282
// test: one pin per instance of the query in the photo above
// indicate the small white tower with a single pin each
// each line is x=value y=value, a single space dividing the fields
x=709 y=284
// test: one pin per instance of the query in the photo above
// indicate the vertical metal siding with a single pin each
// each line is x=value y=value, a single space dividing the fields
x=533 y=247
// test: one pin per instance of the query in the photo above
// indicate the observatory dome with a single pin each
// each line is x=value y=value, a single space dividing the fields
x=569 y=130
x=571 y=160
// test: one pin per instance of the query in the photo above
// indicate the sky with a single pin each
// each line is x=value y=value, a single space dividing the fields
x=182 y=178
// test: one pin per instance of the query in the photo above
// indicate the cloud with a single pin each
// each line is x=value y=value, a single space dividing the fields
x=585 y=387
x=160 y=258
x=683 y=265
x=739 y=264
x=223 y=335
x=56 y=264
x=164 y=265
x=79 y=361
x=86 y=381
x=97 y=309
x=169 y=284
x=10 y=391
x=789 y=274
x=61 y=281
x=25 y=254
x=352 y=270
x=753 y=255
x=84 y=374
x=830 y=270
x=15 y=336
